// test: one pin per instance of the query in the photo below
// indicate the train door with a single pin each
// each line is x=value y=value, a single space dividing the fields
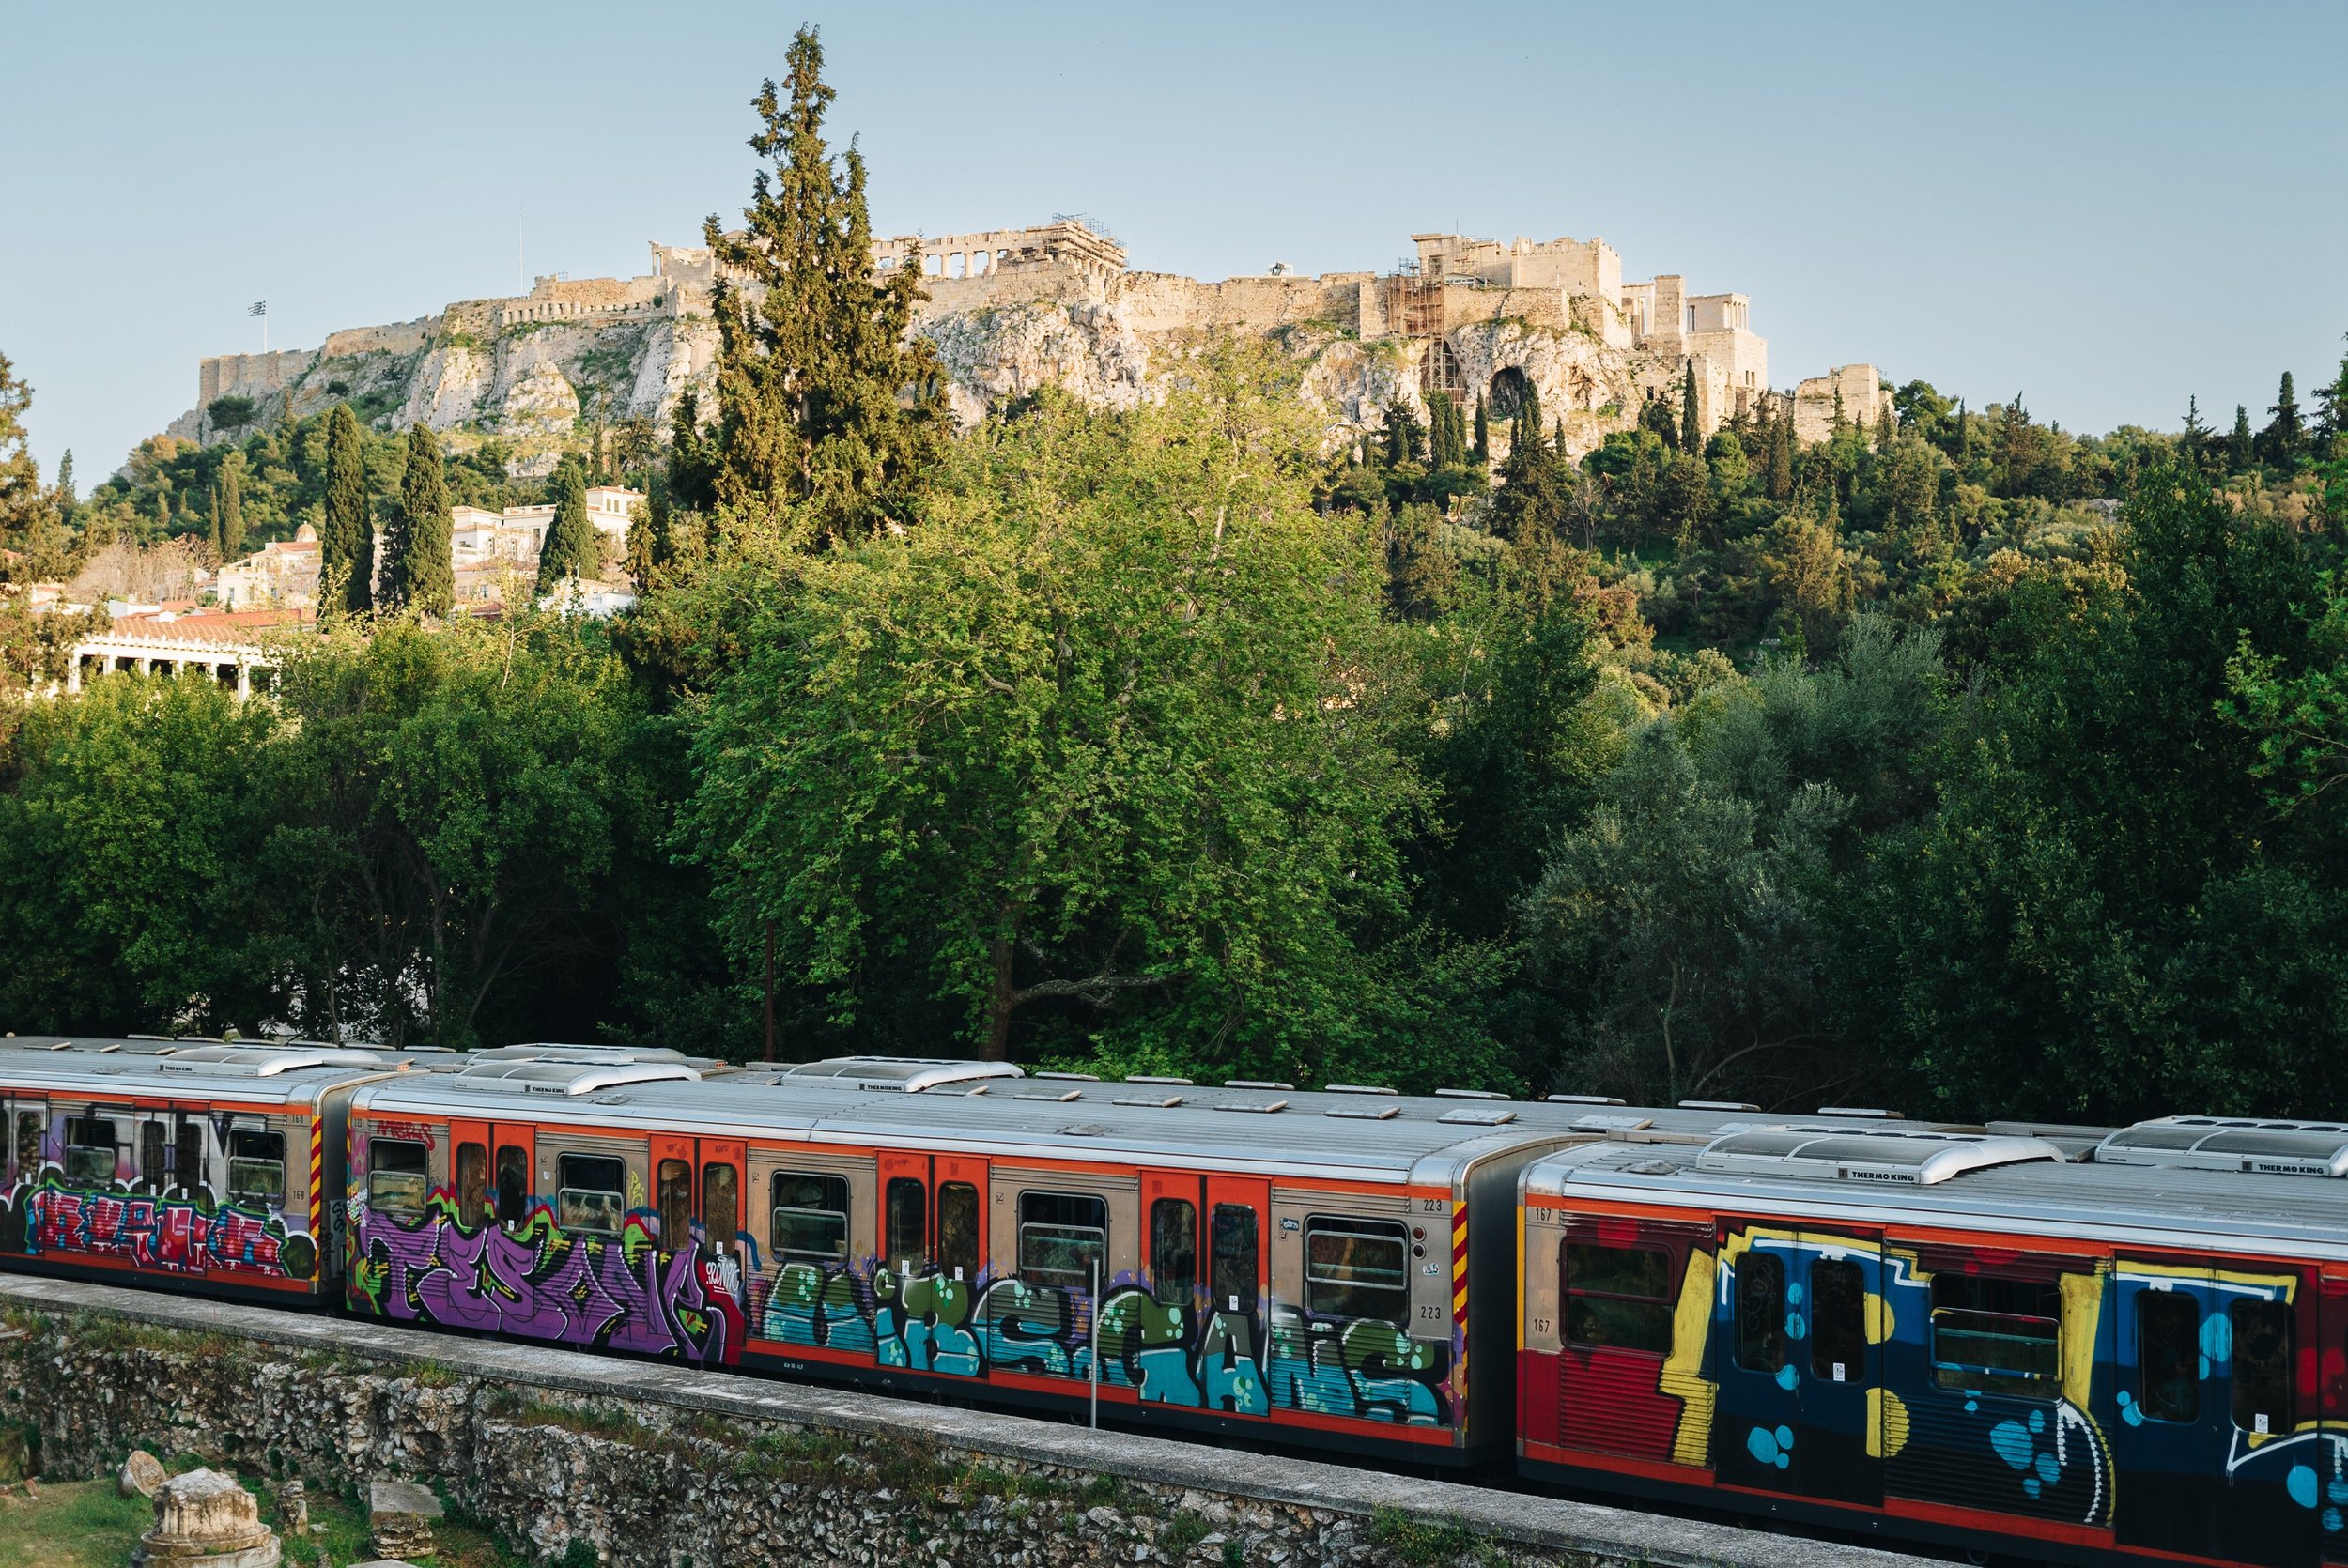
x=1238 y=1297
x=2328 y=1406
x=514 y=1178
x=1801 y=1318
x=1169 y=1330
x=933 y=1242
x=697 y=1193
x=2209 y=1389
x=27 y=1129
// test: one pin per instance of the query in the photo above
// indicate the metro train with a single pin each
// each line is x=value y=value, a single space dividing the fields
x=2066 y=1343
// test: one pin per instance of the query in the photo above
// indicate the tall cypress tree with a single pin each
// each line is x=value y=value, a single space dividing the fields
x=2242 y=451
x=813 y=374
x=1690 y=432
x=2283 y=441
x=1526 y=428
x=228 y=507
x=347 y=543
x=2191 y=443
x=1484 y=427
x=421 y=574
x=570 y=548
x=1781 y=482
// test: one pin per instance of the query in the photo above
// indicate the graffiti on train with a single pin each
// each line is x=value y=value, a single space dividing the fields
x=534 y=1280
x=1167 y=1353
x=47 y=1217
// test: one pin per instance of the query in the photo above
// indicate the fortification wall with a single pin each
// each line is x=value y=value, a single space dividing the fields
x=254 y=375
x=650 y=1464
x=401 y=337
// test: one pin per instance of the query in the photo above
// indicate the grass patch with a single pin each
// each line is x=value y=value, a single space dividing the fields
x=1181 y=1533
x=459 y=1541
x=80 y=1524
x=1428 y=1542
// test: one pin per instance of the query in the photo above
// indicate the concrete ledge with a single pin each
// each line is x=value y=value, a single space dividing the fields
x=1533 y=1527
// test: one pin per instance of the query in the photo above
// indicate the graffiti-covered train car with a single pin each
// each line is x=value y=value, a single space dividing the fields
x=1252 y=1259
x=210 y=1168
x=1954 y=1337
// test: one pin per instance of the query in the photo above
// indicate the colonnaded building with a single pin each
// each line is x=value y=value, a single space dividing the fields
x=1014 y=310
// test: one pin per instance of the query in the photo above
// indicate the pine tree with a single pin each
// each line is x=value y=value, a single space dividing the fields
x=570 y=548
x=65 y=481
x=2283 y=441
x=347 y=543
x=647 y=540
x=228 y=507
x=812 y=375
x=1527 y=425
x=2242 y=451
x=2194 y=438
x=1842 y=416
x=1690 y=432
x=1883 y=428
x=1963 y=432
x=1484 y=431
x=2331 y=418
x=693 y=464
x=1656 y=415
x=421 y=574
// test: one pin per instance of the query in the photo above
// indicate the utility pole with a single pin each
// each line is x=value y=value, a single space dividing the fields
x=770 y=990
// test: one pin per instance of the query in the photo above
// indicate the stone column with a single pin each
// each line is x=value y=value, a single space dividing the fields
x=244 y=678
x=146 y=665
x=74 y=674
x=205 y=1519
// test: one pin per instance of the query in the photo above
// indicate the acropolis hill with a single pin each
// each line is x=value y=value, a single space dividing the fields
x=1016 y=309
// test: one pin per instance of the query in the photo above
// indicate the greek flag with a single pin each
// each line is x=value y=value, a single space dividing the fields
x=258 y=307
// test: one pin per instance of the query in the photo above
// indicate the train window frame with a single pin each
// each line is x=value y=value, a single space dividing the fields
x=469 y=1176
x=829 y=1186
x=915 y=1193
x=1974 y=1323
x=80 y=1140
x=1079 y=1222
x=1590 y=1309
x=721 y=1204
x=573 y=1196
x=673 y=1202
x=1844 y=1360
x=254 y=1152
x=1760 y=1347
x=1235 y=1233
x=510 y=1201
x=1326 y=1293
x=2248 y=1416
x=1174 y=1252
x=153 y=1162
x=37 y=1123
x=410 y=1184
x=959 y=1207
x=2154 y=1397
x=187 y=1173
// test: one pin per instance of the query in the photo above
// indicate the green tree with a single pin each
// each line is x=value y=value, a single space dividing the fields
x=2331 y=419
x=2106 y=918
x=570 y=549
x=65 y=479
x=831 y=412
x=1691 y=430
x=19 y=476
x=420 y=572
x=2242 y=450
x=347 y=543
x=1781 y=481
x=1095 y=758
x=1484 y=434
x=2285 y=437
x=2193 y=442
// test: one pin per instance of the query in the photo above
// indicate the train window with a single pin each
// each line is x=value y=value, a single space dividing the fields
x=1357 y=1268
x=513 y=1184
x=2262 y=1366
x=958 y=1229
x=187 y=1160
x=810 y=1222
x=2168 y=1355
x=1761 y=1312
x=1063 y=1238
x=257 y=1168
x=1233 y=1262
x=1838 y=1321
x=30 y=1125
x=152 y=1166
x=722 y=1204
x=1992 y=1334
x=473 y=1183
x=399 y=1177
x=674 y=1188
x=89 y=1150
x=908 y=1226
x=1618 y=1298
x=1174 y=1251
x=591 y=1193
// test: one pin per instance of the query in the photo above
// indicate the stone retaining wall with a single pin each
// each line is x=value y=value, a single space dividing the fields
x=653 y=1464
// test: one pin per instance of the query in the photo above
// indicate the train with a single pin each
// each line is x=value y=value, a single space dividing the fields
x=2064 y=1343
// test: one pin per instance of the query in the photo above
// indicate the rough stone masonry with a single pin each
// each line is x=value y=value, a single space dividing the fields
x=653 y=1465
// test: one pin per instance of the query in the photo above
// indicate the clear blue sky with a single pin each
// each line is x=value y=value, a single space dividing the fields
x=2106 y=207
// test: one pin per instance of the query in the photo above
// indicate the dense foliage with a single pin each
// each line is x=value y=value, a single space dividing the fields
x=1954 y=762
